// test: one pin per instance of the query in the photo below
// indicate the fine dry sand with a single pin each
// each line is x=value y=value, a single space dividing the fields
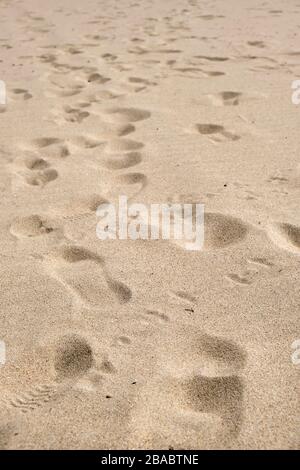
x=143 y=344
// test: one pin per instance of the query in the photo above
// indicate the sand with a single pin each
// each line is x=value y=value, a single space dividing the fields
x=138 y=344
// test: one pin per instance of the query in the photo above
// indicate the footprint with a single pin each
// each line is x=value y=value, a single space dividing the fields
x=122 y=145
x=197 y=387
x=97 y=78
x=120 y=161
x=59 y=86
x=229 y=98
x=20 y=93
x=202 y=355
x=63 y=92
x=51 y=147
x=71 y=114
x=30 y=226
x=278 y=179
x=127 y=115
x=142 y=81
x=73 y=357
x=183 y=297
x=215 y=132
x=42 y=177
x=101 y=95
x=210 y=17
x=167 y=51
x=129 y=185
x=245 y=279
x=34 y=170
x=30 y=161
x=221 y=396
x=109 y=57
x=43 y=142
x=72 y=50
x=193 y=72
x=84 y=142
x=8 y=428
x=47 y=58
x=157 y=315
x=207 y=129
x=255 y=273
x=111 y=132
x=212 y=58
x=213 y=73
x=35 y=163
x=220 y=231
x=138 y=50
x=81 y=207
x=123 y=341
x=286 y=236
x=74 y=254
x=259 y=44
x=85 y=274
x=107 y=367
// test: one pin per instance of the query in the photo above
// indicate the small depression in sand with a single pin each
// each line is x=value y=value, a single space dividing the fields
x=120 y=161
x=41 y=178
x=221 y=231
x=73 y=254
x=85 y=274
x=118 y=145
x=73 y=356
x=30 y=226
x=125 y=115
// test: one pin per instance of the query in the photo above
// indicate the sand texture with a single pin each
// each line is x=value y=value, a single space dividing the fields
x=124 y=344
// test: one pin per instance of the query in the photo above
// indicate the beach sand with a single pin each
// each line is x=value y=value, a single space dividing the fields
x=143 y=344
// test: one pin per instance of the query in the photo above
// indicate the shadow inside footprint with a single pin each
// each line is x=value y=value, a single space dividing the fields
x=230 y=98
x=206 y=129
x=90 y=282
x=7 y=431
x=225 y=357
x=220 y=231
x=74 y=254
x=222 y=396
x=42 y=177
x=73 y=357
x=35 y=163
x=203 y=377
x=127 y=114
x=122 y=292
x=202 y=354
x=216 y=132
x=22 y=94
x=120 y=161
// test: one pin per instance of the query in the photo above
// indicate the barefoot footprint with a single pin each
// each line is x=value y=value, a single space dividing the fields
x=85 y=274
x=72 y=358
x=198 y=387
